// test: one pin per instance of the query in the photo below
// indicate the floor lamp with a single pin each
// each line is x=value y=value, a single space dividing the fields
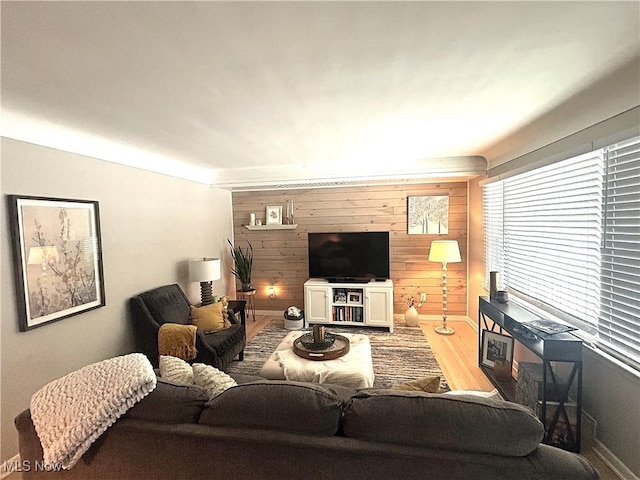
x=444 y=251
x=205 y=270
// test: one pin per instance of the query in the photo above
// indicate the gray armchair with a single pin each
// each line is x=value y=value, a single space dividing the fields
x=168 y=304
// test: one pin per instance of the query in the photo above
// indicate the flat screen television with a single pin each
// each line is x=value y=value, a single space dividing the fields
x=349 y=256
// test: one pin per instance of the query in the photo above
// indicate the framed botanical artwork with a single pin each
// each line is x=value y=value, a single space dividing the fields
x=274 y=215
x=428 y=215
x=57 y=255
x=496 y=346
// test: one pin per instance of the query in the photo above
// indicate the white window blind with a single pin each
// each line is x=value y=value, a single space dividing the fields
x=567 y=238
x=492 y=219
x=619 y=320
x=553 y=217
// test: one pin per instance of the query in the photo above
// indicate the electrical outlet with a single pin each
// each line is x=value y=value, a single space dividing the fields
x=423 y=297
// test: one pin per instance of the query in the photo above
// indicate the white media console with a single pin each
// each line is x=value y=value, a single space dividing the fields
x=361 y=304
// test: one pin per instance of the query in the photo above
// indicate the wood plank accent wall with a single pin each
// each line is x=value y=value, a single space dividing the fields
x=280 y=256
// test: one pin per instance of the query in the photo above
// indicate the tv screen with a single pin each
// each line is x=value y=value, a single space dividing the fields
x=349 y=257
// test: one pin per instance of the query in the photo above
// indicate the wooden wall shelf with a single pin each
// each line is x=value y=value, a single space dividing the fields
x=271 y=227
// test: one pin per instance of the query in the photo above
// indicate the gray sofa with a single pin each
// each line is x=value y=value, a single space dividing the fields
x=287 y=430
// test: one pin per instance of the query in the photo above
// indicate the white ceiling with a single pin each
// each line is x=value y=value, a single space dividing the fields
x=288 y=93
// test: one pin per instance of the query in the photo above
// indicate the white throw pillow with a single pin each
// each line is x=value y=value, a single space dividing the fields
x=476 y=393
x=211 y=379
x=176 y=370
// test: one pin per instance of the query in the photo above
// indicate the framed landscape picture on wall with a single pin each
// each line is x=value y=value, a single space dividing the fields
x=428 y=215
x=57 y=258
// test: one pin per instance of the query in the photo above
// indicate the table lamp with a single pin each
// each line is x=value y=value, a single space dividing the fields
x=445 y=251
x=205 y=270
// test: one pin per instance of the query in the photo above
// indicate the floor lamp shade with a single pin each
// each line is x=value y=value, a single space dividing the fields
x=444 y=251
x=205 y=270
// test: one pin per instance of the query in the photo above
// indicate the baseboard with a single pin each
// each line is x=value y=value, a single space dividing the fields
x=587 y=429
x=450 y=318
x=398 y=317
x=10 y=466
x=271 y=313
x=608 y=458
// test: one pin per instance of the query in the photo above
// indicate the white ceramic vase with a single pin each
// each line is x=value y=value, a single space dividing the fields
x=411 y=317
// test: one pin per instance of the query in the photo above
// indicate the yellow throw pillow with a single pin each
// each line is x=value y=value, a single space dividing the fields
x=209 y=318
x=424 y=384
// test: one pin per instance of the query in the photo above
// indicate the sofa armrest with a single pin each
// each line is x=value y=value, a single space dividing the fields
x=235 y=307
x=145 y=330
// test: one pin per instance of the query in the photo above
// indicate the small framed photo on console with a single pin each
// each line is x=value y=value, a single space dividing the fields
x=354 y=298
x=496 y=346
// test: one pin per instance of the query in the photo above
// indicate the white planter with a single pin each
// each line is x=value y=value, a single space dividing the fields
x=294 y=324
x=411 y=317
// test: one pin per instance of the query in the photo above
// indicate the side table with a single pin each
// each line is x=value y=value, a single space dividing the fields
x=249 y=298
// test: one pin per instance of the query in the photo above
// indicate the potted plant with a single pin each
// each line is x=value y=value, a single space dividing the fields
x=243 y=262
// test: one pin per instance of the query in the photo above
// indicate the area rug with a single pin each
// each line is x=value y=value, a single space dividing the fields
x=397 y=357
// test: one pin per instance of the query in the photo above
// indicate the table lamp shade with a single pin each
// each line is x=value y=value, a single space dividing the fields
x=43 y=255
x=445 y=251
x=204 y=269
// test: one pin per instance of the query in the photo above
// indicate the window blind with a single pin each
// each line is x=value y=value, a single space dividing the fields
x=492 y=220
x=619 y=319
x=552 y=219
x=566 y=237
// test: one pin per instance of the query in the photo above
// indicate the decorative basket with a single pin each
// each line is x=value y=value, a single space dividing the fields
x=308 y=342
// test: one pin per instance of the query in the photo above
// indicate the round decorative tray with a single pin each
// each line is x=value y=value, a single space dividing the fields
x=309 y=343
x=337 y=349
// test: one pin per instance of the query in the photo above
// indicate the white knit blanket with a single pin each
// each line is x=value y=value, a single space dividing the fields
x=73 y=411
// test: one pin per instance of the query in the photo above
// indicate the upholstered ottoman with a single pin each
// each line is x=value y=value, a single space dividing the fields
x=355 y=369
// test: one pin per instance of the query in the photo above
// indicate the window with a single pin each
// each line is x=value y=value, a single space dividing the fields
x=566 y=237
x=619 y=319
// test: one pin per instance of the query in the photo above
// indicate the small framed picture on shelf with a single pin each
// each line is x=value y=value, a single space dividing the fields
x=354 y=298
x=274 y=215
x=496 y=346
x=340 y=296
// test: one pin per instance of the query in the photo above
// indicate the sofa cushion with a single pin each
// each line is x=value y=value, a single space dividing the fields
x=176 y=370
x=209 y=318
x=224 y=340
x=429 y=384
x=170 y=402
x=294 y=407
x=211 y=379
x=476 y=393
x=454 y=422
x=244 y=378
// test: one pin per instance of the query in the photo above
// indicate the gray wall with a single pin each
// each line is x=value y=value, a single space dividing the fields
x=151 y=224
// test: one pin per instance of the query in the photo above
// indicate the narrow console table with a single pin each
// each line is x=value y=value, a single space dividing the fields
x=559 y=402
